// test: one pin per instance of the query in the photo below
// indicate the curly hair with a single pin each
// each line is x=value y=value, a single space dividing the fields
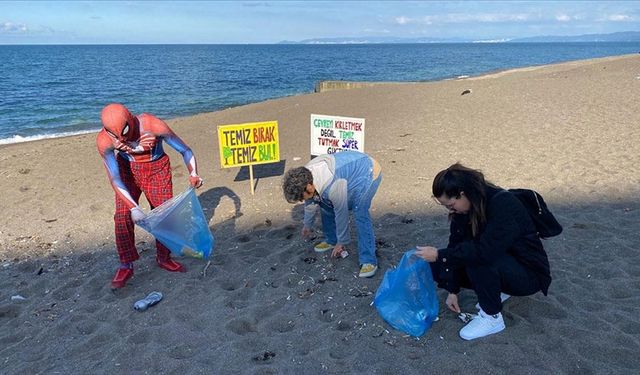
x=295 y=182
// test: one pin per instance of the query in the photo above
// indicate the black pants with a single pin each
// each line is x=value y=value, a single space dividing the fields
x=505 y=275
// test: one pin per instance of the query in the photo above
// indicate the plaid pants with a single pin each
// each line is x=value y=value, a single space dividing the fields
x=154 y=179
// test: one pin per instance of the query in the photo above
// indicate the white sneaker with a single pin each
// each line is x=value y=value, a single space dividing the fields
x=482 y=325
x=503 y=297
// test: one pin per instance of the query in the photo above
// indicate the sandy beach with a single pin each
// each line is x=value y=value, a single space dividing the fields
x=268 y=304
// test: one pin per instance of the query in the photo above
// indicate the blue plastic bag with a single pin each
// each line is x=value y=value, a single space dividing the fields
x=406 y=298
x=180 y=225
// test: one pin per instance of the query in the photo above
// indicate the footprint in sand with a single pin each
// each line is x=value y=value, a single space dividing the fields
x=285 y=233
x=326 y=316
x=140 y=337
x=343 y=326
x=236 y=305
x=282 y=326
x=241 y=326
x=269 y=310
x=9 y=311
x=86 y=327
x=230 y=285
x=243 y=238
x=219 y=259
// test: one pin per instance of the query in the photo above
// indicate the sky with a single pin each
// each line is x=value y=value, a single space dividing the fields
x=264 y=22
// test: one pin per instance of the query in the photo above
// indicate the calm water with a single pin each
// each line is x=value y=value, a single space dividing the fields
x=47 y=91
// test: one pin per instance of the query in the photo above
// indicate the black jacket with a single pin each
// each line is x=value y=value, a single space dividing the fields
x=508 y=230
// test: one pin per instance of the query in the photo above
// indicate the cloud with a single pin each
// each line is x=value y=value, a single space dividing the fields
x=13 y=28
x=402 y=20
x=463 y=18
x=618 y=18
x=256 y=4
x=563 y=18
x=378 y=31
x=481 y=17
x=22 y=30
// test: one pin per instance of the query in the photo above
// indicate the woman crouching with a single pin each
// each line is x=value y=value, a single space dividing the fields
x=493 y=248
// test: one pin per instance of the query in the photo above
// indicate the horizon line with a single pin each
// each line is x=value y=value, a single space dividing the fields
x=319 y=44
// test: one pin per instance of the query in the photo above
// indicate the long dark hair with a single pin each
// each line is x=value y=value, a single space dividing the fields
x=457 y=179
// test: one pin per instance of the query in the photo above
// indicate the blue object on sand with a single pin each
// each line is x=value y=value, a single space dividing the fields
x=150 y=300
x=406 y=298
x=180 y=225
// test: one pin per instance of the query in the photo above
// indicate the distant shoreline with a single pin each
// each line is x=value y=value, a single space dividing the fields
x=619 y=37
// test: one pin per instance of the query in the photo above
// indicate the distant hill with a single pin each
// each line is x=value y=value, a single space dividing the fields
x=626 y=36
x=374 y=40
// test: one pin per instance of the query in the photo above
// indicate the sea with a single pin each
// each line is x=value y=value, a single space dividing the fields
x=51 y=91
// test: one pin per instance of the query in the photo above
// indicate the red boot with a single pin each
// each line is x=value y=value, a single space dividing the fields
x=171 y=265
x=123 y=274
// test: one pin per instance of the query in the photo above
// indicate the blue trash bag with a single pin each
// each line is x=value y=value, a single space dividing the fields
x=406 y=298
x=180 y=225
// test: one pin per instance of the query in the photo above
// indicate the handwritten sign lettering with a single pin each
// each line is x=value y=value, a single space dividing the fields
x=246 y=144
x=331 y=134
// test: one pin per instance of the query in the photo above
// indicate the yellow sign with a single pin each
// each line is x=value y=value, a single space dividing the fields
x=248 y=144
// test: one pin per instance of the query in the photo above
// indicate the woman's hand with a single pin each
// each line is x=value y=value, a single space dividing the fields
x=452 y=303
x=428 y=253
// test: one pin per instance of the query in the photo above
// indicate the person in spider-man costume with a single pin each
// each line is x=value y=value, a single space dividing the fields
x=131 y=149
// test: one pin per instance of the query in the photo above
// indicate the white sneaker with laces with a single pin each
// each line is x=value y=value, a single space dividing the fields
x=482 y=325
x=503 y=297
